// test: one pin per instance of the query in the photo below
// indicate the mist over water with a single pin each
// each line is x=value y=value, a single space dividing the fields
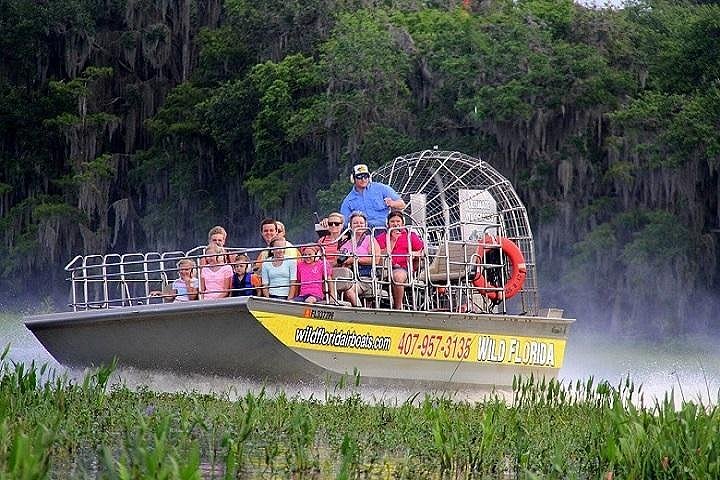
x=686 y=366
x=665 y=351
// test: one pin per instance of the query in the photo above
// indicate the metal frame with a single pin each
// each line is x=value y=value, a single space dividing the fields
x=440 y=175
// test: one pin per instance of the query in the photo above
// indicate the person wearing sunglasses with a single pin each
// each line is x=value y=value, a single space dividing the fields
x=375 y=199
x=290 y=251
x=332 y=243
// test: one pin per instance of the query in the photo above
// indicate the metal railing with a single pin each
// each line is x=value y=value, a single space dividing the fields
x=443 y=278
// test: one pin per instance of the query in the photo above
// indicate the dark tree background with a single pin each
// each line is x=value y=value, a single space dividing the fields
x=129 y=125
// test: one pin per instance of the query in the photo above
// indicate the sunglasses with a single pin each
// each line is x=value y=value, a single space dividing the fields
x=334 y=224
x=362 y=176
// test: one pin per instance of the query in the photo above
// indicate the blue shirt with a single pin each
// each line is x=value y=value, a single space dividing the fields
x=371 y=201
x=278 y=279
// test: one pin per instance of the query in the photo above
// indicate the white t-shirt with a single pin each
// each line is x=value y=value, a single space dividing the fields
x=180 y=287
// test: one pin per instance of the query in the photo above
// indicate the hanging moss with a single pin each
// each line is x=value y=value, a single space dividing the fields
x=155 y=129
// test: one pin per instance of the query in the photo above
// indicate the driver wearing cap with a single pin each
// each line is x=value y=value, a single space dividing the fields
x=374 y=198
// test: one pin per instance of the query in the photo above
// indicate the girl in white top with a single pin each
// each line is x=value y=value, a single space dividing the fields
x=186 y=286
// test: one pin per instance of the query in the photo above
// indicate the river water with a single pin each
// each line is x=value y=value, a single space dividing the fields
x=689 y=367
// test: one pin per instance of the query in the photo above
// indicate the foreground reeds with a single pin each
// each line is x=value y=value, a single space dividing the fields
x=54 y=428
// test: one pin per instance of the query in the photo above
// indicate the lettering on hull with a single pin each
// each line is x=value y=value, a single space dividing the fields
x=318 y=329
x=341 y=338
x=319 y=314
x=517 y=351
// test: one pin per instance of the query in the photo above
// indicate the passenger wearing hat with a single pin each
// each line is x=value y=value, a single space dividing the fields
x=374 y=198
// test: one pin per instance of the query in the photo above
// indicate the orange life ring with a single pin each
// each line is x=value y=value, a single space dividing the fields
x=519 y=269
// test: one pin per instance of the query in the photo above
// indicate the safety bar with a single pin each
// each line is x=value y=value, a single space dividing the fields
x=445 y=277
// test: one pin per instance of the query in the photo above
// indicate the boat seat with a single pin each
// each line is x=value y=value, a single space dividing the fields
x=342 y=303
x=372 y=293
x=369 y=293
x=449 y=263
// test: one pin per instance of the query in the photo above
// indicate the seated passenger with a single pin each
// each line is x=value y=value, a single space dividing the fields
x=242 y=281
x=332 y=243
x=360 y=253
x=311 y=275
x=403 y=251
x=270 y=229
x=279 y=273
x=216 y=275
x=290 y=251
x=362 y=248
x=216 y=236
x=185 y=287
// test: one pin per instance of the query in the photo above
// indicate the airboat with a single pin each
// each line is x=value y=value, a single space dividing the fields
x=471 y=316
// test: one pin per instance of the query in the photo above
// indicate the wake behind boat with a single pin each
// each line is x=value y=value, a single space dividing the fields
x=471 y=313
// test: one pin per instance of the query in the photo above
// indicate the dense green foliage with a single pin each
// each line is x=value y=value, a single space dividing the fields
x=127 y=124
x=54 y=428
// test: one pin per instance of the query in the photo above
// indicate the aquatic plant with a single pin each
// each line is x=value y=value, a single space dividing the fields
x=51 y=426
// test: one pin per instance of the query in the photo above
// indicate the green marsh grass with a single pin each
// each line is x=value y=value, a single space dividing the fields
x=52 y=427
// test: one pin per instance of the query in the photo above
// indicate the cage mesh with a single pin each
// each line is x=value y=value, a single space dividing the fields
x=440 y=175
